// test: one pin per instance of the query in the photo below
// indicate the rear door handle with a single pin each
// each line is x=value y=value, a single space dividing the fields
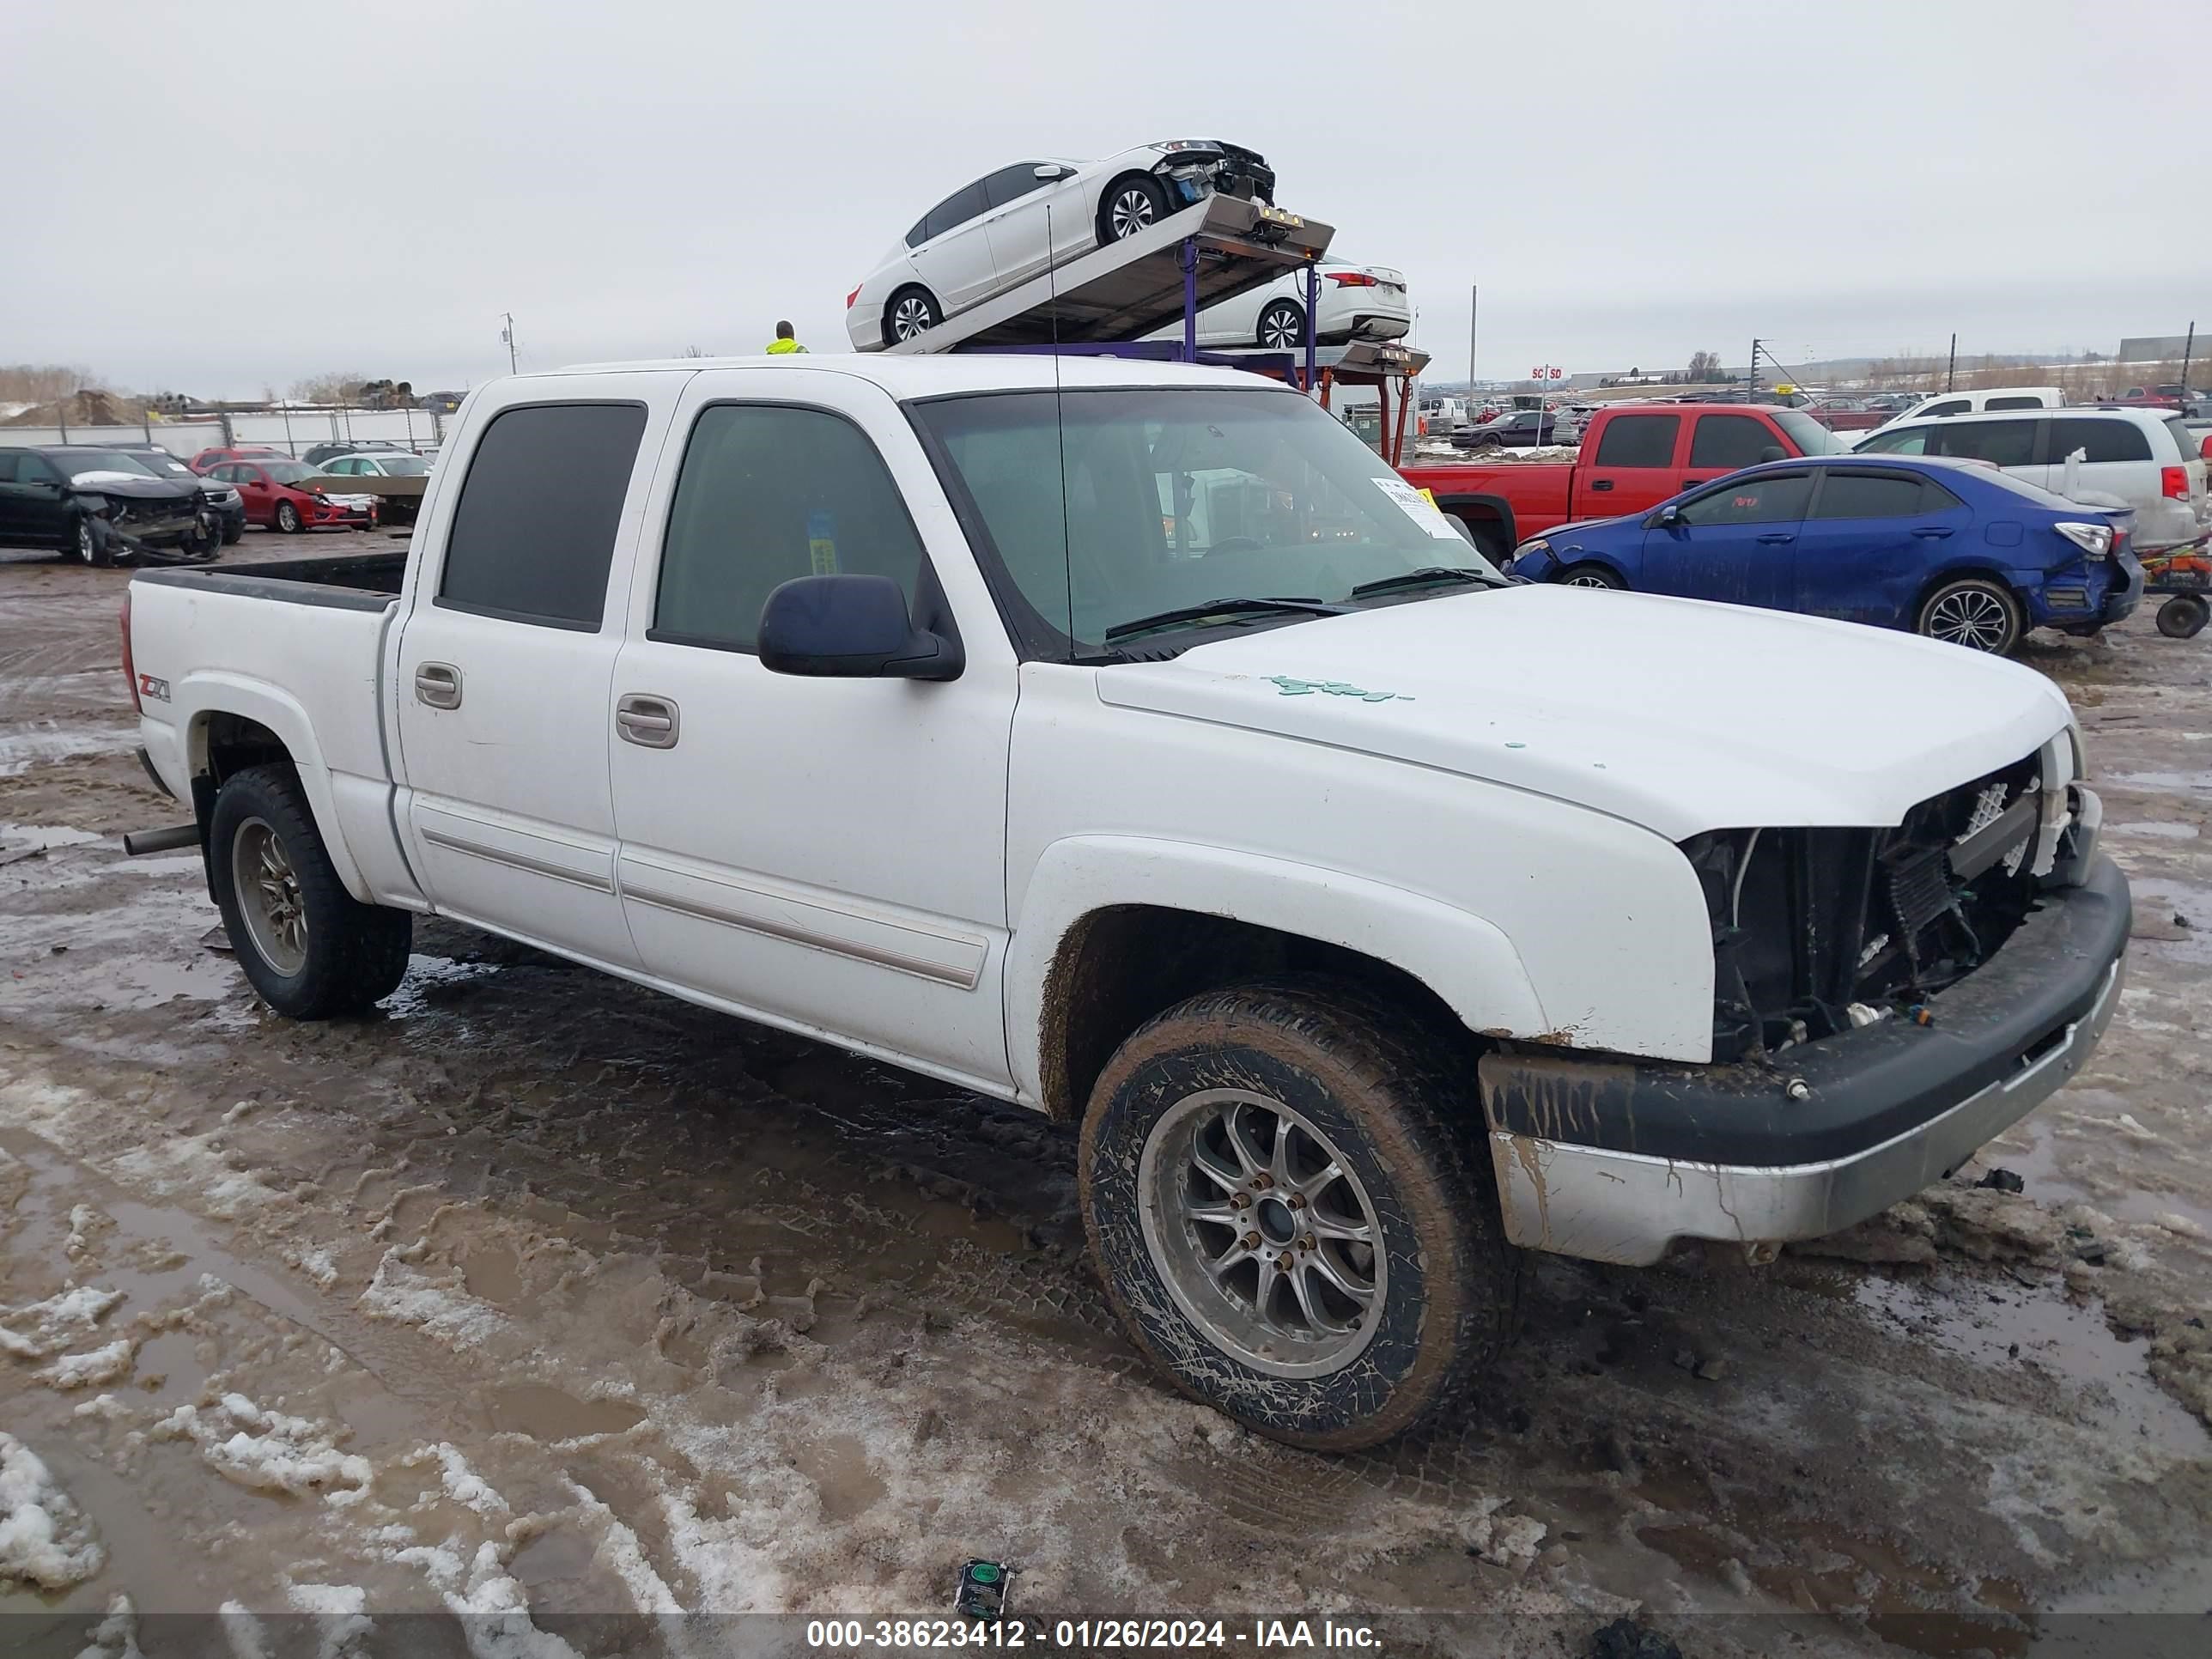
x=648 y=721
x=1774 y=536
x=438 y=684
x=1692 y=483
x=1600 y=484
x=1933 y=532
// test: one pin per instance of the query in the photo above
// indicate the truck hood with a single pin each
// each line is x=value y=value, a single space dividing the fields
x=1675 y=715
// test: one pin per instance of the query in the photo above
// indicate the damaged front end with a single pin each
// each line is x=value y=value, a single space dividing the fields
x=1819 y=931
x=1195 y=168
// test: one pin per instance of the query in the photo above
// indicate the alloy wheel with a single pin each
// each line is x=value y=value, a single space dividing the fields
x=910 y=317
x=1282 y=328
x=1971 y=617
x=1133 y=211
x=268 y=897
x=1264 y=1238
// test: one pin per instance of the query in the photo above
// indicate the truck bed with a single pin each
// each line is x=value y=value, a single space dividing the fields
x=358 y=581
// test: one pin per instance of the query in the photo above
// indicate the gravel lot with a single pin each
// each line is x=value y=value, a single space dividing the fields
x=538 y=1299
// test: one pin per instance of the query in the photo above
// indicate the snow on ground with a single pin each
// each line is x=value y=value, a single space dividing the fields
x=45 y=1538
x=267 y=1449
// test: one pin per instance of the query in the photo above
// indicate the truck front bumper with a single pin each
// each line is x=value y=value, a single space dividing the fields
x=1618 y=1160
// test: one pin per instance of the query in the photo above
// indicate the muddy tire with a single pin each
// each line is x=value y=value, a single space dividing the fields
x=1330 y=1311
x=2183 y=617
x=310 y=948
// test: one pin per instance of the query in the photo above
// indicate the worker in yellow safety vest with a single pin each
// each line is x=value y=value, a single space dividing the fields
x=784 y=341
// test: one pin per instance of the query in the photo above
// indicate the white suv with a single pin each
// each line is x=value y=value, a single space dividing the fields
x=2146 y=456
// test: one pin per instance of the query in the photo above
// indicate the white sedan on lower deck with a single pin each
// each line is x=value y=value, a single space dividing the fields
x=1358 y=302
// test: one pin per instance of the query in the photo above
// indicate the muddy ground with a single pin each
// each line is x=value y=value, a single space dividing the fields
x=537 y=1299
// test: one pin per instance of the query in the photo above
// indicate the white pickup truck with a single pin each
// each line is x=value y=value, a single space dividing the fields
x=1127 y=741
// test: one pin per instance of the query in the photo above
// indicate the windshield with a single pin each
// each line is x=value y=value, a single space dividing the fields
x=1177 y=498
x=288 y=471
x=105 y=460
x=168 y=463
x=401 y=466
x=1807 y=434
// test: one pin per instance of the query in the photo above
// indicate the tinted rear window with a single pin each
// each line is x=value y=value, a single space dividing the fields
x=1639 y=440
x=1731 y=440
x=1879 y=495
x=535 y=530
x=2191 y=443
x=1997 y=404
x=2104 y=441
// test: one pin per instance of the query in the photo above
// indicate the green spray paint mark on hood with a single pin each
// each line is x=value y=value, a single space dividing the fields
x=1297 y=688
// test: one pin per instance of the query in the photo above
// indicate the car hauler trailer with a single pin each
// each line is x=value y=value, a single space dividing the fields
x=1212 y=251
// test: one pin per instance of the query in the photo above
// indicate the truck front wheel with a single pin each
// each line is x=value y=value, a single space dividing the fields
x=1280 y=1201
x=309 y=947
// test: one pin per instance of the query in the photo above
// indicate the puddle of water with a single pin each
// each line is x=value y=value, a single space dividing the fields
x=2163 y=831
x=550 y=1414
x=2070 y=1342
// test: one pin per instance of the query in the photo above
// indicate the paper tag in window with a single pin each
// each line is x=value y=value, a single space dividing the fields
x=1419 y=505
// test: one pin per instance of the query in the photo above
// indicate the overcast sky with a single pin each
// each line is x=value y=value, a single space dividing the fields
x=219 y=199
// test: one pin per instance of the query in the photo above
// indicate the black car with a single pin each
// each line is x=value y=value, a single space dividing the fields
x=322 y=452
x=100 y=505
x=229 y=506
x=1524 y=429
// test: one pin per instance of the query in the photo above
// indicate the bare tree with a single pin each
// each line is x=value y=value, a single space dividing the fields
x=41 y=383
x=1704 y=367
x=337 y=386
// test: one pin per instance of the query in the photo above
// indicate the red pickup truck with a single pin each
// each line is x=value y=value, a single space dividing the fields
x=1633 y=456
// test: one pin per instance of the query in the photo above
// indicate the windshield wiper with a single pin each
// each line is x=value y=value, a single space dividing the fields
x=1222 y=608
x=1435 y=574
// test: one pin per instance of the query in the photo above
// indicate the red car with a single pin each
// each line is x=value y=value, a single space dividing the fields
x=208 y=457
x=286 y=494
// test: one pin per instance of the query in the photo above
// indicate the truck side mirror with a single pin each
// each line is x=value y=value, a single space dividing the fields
x=850 y=627
x=1772 y=452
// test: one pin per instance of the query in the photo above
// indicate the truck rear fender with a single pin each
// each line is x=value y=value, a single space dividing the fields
x=204 y=695
x=1467 y=962
x=1477 y=510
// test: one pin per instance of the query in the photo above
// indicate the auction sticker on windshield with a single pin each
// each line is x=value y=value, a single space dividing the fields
x=1417 y=506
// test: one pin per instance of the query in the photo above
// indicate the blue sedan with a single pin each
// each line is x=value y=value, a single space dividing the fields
x=1951 y=550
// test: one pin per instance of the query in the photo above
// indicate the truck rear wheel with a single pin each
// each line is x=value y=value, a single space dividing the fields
x=309 y=947
x=1286 y=1215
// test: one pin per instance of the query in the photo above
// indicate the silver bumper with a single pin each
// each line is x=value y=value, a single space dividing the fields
x=1606 y=1205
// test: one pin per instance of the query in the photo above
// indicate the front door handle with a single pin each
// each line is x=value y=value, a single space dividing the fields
x=438 y=684
x=648 y=721
x=1600 y=484
x=1774 y=536
x=1692 y=483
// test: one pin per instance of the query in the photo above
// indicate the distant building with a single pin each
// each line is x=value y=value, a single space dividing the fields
x=2156 y=348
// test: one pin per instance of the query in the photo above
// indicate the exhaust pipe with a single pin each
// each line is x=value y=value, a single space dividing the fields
x=139 y=843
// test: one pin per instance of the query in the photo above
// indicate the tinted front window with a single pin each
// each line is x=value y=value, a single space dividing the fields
x=1776 y=498
x=2000 y=443
x=1011 y=184
x=2104 y=441
x=290 y=473
x=1911 y=441
x=534 y=532
x=769 y=494
x=1874 y=495
x=1132 y=503
x=1956 y=406
x=955 y=209
x=1639 y=440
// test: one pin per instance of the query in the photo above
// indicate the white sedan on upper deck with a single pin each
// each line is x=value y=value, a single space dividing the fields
x=1020 y=221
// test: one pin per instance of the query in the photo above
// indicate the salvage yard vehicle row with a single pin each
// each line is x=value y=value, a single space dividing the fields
x=1128 y=741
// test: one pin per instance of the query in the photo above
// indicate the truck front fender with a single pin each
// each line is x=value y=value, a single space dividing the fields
x=200 y=695
x=1467 y=961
